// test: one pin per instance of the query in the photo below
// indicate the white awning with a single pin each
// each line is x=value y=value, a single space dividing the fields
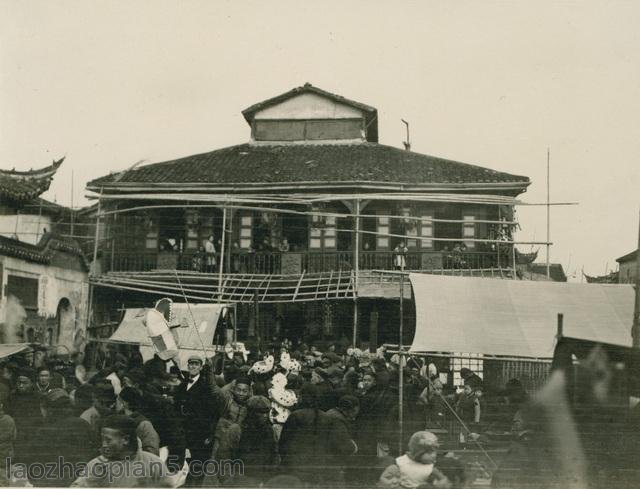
x=6 y=350
x=190 y=339
x=515 y=317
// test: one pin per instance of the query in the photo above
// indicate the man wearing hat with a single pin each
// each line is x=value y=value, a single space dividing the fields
x=196 y=404
x=25 y=410
x=62 y=437
x=103 y=405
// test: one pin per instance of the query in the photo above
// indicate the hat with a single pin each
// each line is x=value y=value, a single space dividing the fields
x=421 y=442
x=57 y=397
x=333 y=357
x=195 y=358
x=26 y=372
x=258 y=404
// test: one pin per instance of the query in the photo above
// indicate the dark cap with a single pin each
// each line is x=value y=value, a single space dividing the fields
x=348 y=402
x=57 y=397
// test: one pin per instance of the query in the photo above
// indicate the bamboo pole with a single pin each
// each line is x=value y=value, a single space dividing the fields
x=401 y=357
x=224 y=225
x=548 y=217
x=635 y=331
x=95 y=256
x=356 y=269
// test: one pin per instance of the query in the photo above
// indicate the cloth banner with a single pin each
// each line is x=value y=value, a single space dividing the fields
x=515 y=317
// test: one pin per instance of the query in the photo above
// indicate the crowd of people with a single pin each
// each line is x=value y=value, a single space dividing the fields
x=293 y=417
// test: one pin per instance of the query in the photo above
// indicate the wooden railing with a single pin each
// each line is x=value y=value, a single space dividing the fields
x=296 y=262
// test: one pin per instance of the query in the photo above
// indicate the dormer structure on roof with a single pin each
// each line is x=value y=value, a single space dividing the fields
x=308 y=114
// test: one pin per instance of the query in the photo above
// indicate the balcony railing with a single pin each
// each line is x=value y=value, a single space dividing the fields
x=297 y=262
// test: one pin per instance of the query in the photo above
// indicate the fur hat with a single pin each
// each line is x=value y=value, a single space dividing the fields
x=259 y=404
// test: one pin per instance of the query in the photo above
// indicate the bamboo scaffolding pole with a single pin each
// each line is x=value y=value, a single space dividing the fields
x=635 y=328
x=314 y=213
x=221 y=265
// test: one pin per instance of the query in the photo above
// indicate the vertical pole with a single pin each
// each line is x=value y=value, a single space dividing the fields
x=635 y=331
x=356 y=269
x=548 y=217
x=256 y=307
x=95 y=257
x=560 y=325
x=513 y=258
x=224 y=235
x=71 y=210
x=229 y=239
x=401 y=358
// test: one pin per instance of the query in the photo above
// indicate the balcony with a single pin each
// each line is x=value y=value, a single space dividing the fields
x=297 y=262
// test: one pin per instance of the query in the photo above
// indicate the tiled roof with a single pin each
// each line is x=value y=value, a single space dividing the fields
x=42 y=252
x=556 y=271
x=293 y=164
x=370 y=113
x=17 y=186
x=628 y=257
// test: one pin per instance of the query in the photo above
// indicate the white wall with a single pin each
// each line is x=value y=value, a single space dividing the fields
x=54 y=285
x=30 y=227
x=309 y=106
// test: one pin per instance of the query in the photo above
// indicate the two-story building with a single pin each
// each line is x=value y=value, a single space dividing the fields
x=304 y=226
x=43 y=273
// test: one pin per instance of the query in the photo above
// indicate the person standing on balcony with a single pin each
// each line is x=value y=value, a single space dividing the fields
x=210 y=254
x=399 y=256
x=199 y=260
x=284 y=245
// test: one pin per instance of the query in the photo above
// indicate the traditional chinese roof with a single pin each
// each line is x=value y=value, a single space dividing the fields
x=22 y=186
x=252 y=166
x=43 y=252
x=370 y=113
x=526 y=258
x=556 y=272
x=628 y=257
x=610 y=278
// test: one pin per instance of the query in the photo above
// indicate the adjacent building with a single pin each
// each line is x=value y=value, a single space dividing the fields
x=43 y=273
x=627 y=268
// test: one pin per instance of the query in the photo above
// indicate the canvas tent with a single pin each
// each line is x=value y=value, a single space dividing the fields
x=200 y=330
x=514 y=317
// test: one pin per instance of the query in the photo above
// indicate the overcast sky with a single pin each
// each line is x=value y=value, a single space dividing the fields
x=492 y=83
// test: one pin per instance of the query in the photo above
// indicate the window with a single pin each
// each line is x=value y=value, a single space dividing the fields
x=472 y=361
x=469 y=230
x=246 y=232
x=322 y=234
x=299 y=130
x=24 y=289
x=382 y=241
